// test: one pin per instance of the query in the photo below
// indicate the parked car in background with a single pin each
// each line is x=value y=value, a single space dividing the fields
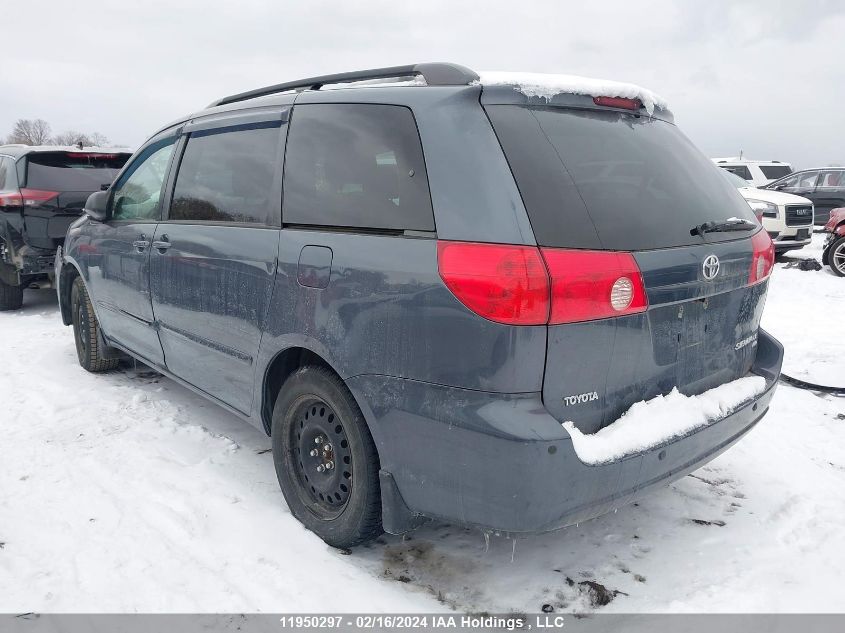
x=834 y=248
x=787 y=218
x=825 y=187
x=414 y=288
x=42 y=191
x=756 y=172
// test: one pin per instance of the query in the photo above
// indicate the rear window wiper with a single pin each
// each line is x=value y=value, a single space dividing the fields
x=731 y=224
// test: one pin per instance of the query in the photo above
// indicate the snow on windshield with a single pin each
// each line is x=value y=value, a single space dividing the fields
x=548 y=85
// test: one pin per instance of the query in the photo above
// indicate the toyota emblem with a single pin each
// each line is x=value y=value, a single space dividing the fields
x=710 y=267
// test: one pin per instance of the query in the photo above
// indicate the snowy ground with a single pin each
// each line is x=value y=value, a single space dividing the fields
x=125 y=492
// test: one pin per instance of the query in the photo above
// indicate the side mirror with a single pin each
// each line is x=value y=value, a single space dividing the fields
x=96 y=207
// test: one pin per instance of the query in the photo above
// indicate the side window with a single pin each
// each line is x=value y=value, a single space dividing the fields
x=740 y=170
x=5 y=168
x=792 y=181
x=227 y=176
x=356 y=165
x=807 y=180
x=137 y=194
x=832 y=179
x=775 y=171
x=8 y=175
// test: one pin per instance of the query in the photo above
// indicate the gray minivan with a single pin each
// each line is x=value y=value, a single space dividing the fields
x=413 y=279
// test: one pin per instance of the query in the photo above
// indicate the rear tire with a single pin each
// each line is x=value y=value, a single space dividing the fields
x=11 y=297
x=86 y=331
x=316 y=422
x=836 y=257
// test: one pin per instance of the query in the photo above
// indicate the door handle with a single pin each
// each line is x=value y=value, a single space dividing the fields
x=163 y=244
x=141 y=245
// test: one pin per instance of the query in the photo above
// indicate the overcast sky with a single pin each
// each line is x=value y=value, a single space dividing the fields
x=764 y=77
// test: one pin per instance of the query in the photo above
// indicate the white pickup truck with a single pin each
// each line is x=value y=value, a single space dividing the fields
x=787 y=218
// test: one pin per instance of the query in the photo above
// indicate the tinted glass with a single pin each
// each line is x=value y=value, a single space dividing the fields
x=594 y=179
x=7 y=174
x=72 y=171
x=356 y=165
x=775 y=171
x=137 y=194
x=736 y=181
x=227 y=176
x=785 y=182
x=740 y=170
x=807 y=180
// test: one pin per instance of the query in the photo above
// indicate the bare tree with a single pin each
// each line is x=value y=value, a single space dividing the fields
x=98 y=139
x=30 y=132
x=72 y=137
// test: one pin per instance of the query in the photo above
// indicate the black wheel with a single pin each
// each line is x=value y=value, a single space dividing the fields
x=11 y=297
x=325 y=458
x=86 y=330
x=836 y=257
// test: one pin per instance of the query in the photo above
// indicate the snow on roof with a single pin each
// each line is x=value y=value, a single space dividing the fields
x=548 y=85
x=755 y=161
x=652 y=422
x=88 y=149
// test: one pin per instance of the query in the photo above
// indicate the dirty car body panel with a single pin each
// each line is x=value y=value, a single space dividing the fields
x=465 y=411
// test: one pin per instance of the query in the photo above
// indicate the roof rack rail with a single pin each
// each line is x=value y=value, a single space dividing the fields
x=435 y=74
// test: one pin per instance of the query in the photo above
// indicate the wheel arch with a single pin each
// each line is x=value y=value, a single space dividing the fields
x=282 y=365
x=68 y=273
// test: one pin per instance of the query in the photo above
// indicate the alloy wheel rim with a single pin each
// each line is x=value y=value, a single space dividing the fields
x=839 y=258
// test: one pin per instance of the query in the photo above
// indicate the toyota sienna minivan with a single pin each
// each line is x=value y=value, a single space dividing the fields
x=425 y=285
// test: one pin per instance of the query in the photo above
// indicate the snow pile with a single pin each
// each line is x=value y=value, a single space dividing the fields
x=649 y=423
x=802 y=301
x=549 y=85
x=205 y=528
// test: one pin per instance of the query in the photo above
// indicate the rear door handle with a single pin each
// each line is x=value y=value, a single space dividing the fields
x=163 y=244
x=141 y=245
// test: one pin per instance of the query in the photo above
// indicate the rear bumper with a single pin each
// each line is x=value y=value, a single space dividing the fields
x=501 y=462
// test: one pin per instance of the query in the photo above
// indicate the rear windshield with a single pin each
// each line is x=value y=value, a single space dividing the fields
x=606 y=180
x=72 y=171
x=775 y=171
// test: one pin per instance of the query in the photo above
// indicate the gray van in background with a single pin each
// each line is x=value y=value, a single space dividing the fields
x=411 y=281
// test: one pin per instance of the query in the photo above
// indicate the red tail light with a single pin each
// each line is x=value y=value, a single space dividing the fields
x=10 y=200
x=90 y=155
x=33 y=197
x=618 y=102
x=524 y=285
x=503 y=283
x=589 y=285
x=763 y=258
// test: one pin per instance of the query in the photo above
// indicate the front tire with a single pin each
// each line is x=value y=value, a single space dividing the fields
x=86 y=331
x=325 y=458
x=11 y=297
x=836 y=256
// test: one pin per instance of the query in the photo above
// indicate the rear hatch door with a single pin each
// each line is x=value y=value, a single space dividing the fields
x=608 y=180
x=55 y=187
